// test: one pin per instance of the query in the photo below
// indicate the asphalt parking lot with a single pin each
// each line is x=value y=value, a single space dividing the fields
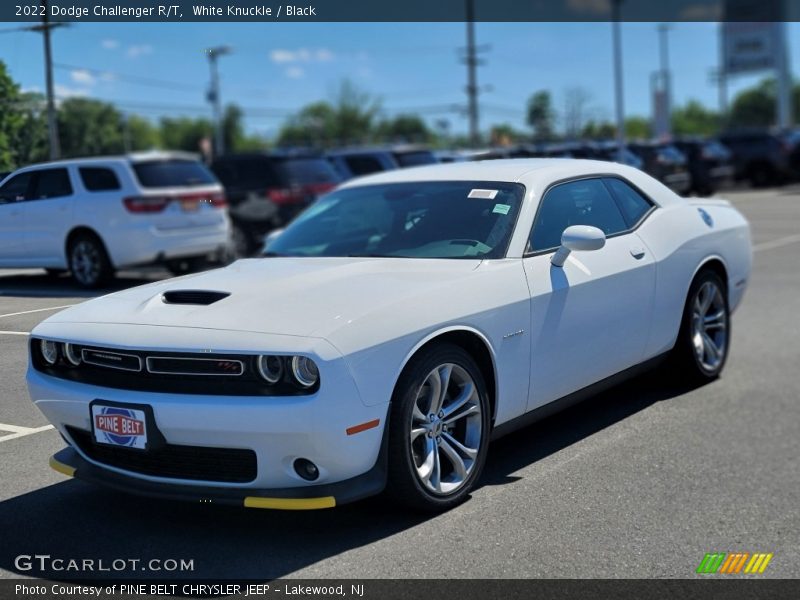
x=638 y=482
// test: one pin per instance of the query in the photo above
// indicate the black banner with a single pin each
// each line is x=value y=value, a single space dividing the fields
x=399 y=11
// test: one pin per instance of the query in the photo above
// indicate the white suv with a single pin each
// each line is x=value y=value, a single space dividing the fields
x=93 y=216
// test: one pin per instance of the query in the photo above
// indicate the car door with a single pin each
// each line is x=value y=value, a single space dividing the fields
x=12 y=218
x=49 y=215
x=589 y=318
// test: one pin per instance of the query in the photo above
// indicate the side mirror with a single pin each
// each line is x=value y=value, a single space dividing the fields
x=578 y=237
x=271 y=237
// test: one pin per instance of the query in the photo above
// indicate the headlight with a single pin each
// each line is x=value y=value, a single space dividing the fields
x=270 y=367
x=49 y=351
x=73 y=354
x=305 y=371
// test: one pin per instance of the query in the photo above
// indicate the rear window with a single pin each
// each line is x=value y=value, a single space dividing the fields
x=172 y=173
x=99 y=179
x=303 y=171
x=415 y=159
x=363 y=165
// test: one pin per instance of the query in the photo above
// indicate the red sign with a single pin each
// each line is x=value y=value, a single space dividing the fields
x=119 y=425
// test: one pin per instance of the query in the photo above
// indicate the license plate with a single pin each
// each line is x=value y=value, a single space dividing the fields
x=119 y=426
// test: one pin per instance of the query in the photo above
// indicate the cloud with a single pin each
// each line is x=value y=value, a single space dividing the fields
x=63 y=92
x=139 y=50
x=110 y=44
x=82 y=77
x=282 y=56
x=295 y=73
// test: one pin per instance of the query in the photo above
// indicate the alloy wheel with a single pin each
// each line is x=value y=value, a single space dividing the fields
x=709 y=326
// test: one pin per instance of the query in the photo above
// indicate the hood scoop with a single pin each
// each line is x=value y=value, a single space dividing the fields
x=198 y=297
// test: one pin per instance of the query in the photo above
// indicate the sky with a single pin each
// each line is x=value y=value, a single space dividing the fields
x=274 y=69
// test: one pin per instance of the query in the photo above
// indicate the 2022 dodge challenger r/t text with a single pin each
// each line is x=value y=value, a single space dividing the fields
x=389 y=333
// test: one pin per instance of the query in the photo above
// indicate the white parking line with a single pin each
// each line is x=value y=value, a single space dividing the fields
x=18 y=432
x=777 y=243
x=27 y=312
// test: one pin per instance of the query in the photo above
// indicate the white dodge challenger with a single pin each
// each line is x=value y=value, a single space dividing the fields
x=389 y=333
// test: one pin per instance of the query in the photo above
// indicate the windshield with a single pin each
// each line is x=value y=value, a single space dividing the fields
x=172 y=173
x=415 y=158
x=438 y=219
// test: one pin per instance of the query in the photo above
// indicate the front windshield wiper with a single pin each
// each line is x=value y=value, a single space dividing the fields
x=371 y=255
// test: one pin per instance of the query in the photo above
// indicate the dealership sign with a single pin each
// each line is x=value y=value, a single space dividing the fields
x=749 y=47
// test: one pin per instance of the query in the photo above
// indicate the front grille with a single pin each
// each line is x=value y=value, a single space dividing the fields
x=170 y=372
x=196 y=463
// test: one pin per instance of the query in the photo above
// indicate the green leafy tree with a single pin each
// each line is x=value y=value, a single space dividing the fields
x=694 y=119
x=637 y=128
x=140 y=133
x=755 y=106
x=184 y=133
x=89 y=128
x=11 y=120
x=541 y=116
x=598 y=131
x=404 y=128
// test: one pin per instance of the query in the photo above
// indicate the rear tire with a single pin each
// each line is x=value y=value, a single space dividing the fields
x=704 y=338
x=439 y=429
x=88 y=261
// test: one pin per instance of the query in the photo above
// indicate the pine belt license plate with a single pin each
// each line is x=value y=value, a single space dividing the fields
x=120 y=426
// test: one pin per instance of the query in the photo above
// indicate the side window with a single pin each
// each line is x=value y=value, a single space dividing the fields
x=582 y=202
x=51 y=183
x=15 y=189
x=632 y=204
x=99 y=179
x=363 y=165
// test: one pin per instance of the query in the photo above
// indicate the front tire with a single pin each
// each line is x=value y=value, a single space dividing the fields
x=438 y=429
x=89 y=262
x=703 y=341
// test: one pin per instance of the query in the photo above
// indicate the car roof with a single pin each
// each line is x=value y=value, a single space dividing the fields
x=132 y=157
x=509 y=169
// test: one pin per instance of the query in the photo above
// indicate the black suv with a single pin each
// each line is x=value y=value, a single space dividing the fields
x=664 y=162
x=710 y=164
x=267 y=190
x=760 y=157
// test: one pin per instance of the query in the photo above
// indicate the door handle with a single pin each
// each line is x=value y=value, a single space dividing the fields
x=637 y=252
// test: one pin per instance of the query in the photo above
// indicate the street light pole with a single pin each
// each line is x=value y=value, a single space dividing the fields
x=472 y=85
x=666 y=79
x=618 y=87
x=52 y=121
x=214 y=98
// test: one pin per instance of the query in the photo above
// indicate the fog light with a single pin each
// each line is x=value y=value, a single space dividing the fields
x=49 y=351
x=73 y=354
x=305 y=371
x=270 y=368
x=306 y=469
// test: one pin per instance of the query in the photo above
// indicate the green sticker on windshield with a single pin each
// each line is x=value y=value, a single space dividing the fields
x=501 y=209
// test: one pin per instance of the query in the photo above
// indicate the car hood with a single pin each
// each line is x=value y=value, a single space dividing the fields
x=289 y=296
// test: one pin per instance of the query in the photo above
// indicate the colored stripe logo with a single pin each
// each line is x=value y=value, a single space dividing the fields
x=731 y=563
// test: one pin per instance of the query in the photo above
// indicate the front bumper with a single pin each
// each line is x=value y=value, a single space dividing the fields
x=68 y=462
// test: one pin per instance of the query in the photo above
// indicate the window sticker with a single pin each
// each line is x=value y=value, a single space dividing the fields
x=501 y=209
x=482 y=194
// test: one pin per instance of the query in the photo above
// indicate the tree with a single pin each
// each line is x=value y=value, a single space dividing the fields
x=594 y=130
x=755 y=106
x=140 y=134
x=89 y=128
x=541 y=116
x=504 y=135
x=576 y=100
x=404 y=128
x=11 y=120
x=637 y=128
x=694 y=119
x=185 y=133
x=348 y=119
x=33 y=143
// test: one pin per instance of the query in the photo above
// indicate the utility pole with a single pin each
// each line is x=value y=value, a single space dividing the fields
x=214 y=99
x=666 y=79
x=618 y=88
x=52 y=121
x=784 y=103
x=472 y=83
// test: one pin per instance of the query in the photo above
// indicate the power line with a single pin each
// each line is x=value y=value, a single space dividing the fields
x=146 y=81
